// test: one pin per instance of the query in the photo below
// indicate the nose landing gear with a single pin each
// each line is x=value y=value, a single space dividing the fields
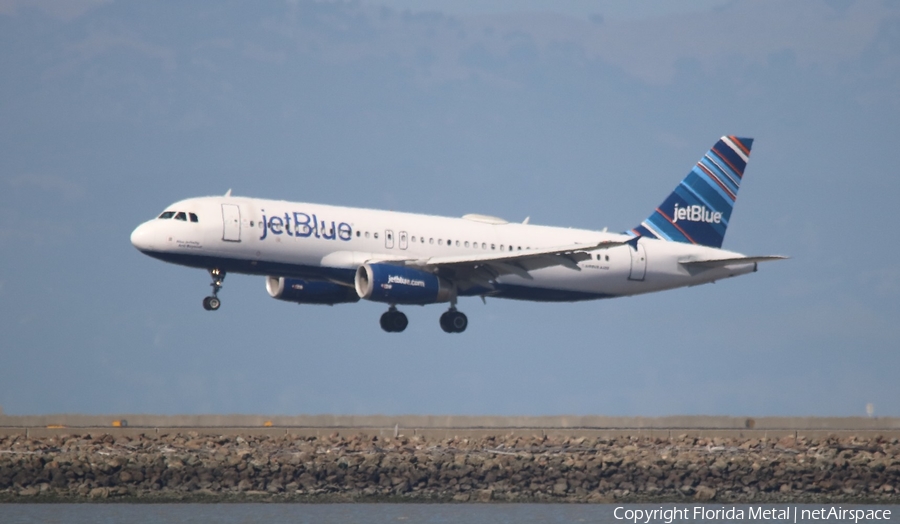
x=453 y=321
x=394 y=321
x=212 y=302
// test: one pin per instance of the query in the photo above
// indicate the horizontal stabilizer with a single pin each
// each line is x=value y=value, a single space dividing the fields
x=721 y=262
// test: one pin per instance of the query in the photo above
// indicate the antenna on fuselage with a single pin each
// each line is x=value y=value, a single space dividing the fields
x=228 y=193
x=526 y=220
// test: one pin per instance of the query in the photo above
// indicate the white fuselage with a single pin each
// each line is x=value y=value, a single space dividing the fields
x=320 y=242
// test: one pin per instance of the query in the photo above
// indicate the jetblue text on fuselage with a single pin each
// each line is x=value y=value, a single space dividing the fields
x=696 y=214
x=304 y=225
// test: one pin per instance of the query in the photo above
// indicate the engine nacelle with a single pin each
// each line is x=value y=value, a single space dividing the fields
x=309 y=291
x=400 y=285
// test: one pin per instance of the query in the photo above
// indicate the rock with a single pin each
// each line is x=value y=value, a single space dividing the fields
x=484 y=495
x=633 y=469
x=99 y=493
x=704 y=493
x=29 y=491
x=599 y=497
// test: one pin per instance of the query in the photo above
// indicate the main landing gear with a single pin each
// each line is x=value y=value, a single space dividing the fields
x=394 y=321
x=453 y=321
x=212 y=302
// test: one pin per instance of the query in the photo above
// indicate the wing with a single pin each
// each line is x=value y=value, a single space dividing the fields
x=479 y=270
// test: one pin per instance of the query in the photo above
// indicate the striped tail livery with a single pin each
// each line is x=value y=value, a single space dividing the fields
x=697 y=212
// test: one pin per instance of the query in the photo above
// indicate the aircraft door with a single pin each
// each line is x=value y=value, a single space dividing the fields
x=231 y=223
x=404 y=240
x=388 y=239
x=638 y=262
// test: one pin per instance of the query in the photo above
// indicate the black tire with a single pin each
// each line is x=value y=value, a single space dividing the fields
x=386 y=322
x=458 y=322
x=206 y=304
x=445 y=322
x=399 y=321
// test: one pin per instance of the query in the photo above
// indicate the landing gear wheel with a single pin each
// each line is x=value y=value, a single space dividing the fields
x=454 y=321
x=445 y=322
x=211 y=303
x=459 y=321
x=394 y=321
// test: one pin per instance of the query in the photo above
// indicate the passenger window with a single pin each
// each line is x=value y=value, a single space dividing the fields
x=431 y=241
x=376 y=235
x=181 y=216
x=467 y=243
x=367 y=234
x=358 y=233
x=457 y=243
x=167 y=214
x=483 y=245
x=440 y=242
x=607 y=258
x=493 y=246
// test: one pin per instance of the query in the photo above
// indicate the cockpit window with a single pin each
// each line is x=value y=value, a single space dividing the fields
x=181 y=216
x=167 y=214
x=195 y=219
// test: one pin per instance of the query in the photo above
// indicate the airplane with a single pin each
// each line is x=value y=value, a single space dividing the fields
x=322 y=254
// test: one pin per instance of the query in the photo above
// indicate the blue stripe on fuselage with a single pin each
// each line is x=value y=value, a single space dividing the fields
x=346 y=276
x=257 y=267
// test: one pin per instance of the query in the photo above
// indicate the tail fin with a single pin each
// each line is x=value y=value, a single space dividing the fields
x=697 y=212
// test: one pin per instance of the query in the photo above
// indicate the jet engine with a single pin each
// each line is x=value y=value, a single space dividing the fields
x=400 y=285
x=309 y=291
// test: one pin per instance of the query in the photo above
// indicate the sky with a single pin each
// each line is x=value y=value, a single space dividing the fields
x=576 y=114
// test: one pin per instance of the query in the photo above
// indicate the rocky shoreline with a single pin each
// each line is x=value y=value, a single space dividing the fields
x=194 y=467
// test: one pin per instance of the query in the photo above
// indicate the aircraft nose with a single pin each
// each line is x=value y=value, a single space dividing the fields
x=141 y=237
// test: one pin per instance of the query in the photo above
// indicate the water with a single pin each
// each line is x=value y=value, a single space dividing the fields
x=388 y=513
